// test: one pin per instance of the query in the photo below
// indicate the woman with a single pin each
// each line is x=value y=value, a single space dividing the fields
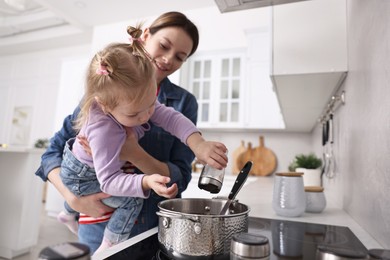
x=170 y=40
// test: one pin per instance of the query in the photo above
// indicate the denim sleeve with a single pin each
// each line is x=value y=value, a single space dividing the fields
x=52 y=157
x=181 y=155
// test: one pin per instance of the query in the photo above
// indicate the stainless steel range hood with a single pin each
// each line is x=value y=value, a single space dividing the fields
x=237 y=5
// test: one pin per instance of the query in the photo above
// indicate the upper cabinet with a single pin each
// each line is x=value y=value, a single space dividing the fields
x=233 y=87
x=309 y=58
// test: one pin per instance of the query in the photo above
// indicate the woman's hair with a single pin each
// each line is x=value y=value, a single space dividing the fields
x=119 y=71
x=176 y=19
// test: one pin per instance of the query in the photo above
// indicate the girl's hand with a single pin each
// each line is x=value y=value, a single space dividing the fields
x=85 y=144
x=158 y=183
x=211 y=153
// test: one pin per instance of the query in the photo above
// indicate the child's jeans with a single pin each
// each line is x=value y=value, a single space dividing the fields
x=81 y=180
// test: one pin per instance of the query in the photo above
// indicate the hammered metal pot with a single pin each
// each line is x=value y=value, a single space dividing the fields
x=193 y=228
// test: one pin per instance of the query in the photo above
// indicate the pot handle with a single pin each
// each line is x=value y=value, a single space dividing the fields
x=166 y=214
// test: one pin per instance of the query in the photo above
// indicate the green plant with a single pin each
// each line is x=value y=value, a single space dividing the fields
x=309 y=161
x=42 y=143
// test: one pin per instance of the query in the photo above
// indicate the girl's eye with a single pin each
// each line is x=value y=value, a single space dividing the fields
x=163 y=46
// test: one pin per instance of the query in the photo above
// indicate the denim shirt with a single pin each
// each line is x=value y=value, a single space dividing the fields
x=157 y=142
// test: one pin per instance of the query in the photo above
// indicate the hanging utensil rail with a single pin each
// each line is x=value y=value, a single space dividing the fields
x=333 y=104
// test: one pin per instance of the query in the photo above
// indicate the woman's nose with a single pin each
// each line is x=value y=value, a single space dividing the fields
x=167 y=58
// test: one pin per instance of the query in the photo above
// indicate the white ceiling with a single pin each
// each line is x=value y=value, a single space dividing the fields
x=41 y=24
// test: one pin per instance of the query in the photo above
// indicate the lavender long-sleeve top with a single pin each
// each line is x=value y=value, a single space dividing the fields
x=106 y=137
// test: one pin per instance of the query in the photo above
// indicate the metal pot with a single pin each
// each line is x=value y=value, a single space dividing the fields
x=193 y=228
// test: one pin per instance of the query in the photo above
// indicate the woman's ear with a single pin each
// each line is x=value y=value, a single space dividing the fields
x=146 y=34
x=102 y=106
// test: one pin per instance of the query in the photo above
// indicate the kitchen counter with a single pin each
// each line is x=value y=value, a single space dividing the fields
x=22 y=191
x=257 y=194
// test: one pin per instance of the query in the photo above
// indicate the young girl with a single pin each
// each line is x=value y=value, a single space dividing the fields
x=121 y=94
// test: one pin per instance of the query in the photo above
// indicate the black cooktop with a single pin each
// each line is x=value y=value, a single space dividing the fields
x=288 y=240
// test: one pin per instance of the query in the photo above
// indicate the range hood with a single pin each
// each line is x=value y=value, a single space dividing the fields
x=237 y=5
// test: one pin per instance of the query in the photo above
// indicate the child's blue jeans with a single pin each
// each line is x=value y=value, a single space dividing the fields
x=81 y=180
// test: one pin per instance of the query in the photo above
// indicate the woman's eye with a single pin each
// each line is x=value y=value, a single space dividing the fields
x=163 y=46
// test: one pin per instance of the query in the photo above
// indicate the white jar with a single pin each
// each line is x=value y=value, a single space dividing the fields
x=289 y=194
x=315 y=199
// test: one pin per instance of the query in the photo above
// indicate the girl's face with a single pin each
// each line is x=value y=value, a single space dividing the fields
x=169 y=47
x=132 y=114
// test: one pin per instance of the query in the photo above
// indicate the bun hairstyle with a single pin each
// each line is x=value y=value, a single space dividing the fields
x=137 y=43
x=119 y=71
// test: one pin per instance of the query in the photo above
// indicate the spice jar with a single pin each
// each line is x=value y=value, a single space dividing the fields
x=289 y=195
x=315 y=199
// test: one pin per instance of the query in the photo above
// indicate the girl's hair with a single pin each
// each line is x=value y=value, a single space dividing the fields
x=120 y=71
x=177 y=19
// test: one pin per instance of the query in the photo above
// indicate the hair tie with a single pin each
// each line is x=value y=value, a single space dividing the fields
x=102 y=70
x=132 y=40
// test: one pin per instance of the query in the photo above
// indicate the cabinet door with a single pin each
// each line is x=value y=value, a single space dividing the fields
x=217 y=82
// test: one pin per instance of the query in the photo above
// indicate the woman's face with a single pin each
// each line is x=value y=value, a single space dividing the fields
x=169 y=47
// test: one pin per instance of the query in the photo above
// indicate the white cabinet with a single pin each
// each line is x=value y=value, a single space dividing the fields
x=309 y=58
x=233 y=88
x=217 y=81
x=21 y=203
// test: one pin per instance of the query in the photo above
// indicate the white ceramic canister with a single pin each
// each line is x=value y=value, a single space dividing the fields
x=289 y=195
x=315 y=199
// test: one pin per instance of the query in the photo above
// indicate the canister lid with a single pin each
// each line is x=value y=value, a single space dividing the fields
x=314 y=189
x=289 y=174
x=250 y=245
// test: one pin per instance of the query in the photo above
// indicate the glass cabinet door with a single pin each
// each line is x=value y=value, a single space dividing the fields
x=216 y=82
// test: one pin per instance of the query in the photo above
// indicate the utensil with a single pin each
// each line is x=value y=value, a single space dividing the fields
x=241 y=178
x=330 y=158
x=325 y=138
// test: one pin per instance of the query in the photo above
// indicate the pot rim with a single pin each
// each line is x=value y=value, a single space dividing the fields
x=246 y=212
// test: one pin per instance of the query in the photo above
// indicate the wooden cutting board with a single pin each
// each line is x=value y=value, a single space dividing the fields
x=235 y=154
x=264 y=159
x=245 y=156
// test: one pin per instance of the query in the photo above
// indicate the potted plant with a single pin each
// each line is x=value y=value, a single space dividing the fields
x=310 y=166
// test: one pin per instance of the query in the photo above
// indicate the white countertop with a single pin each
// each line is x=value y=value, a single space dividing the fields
x=21 y=149
x=257 y=194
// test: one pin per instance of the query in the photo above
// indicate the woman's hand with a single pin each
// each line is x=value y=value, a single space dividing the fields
x=89 y=205
x=158 y=183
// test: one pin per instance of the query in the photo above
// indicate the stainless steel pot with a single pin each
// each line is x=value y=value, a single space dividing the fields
x=193 y=228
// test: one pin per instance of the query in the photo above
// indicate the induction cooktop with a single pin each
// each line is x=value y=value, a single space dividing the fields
x=287 y=240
